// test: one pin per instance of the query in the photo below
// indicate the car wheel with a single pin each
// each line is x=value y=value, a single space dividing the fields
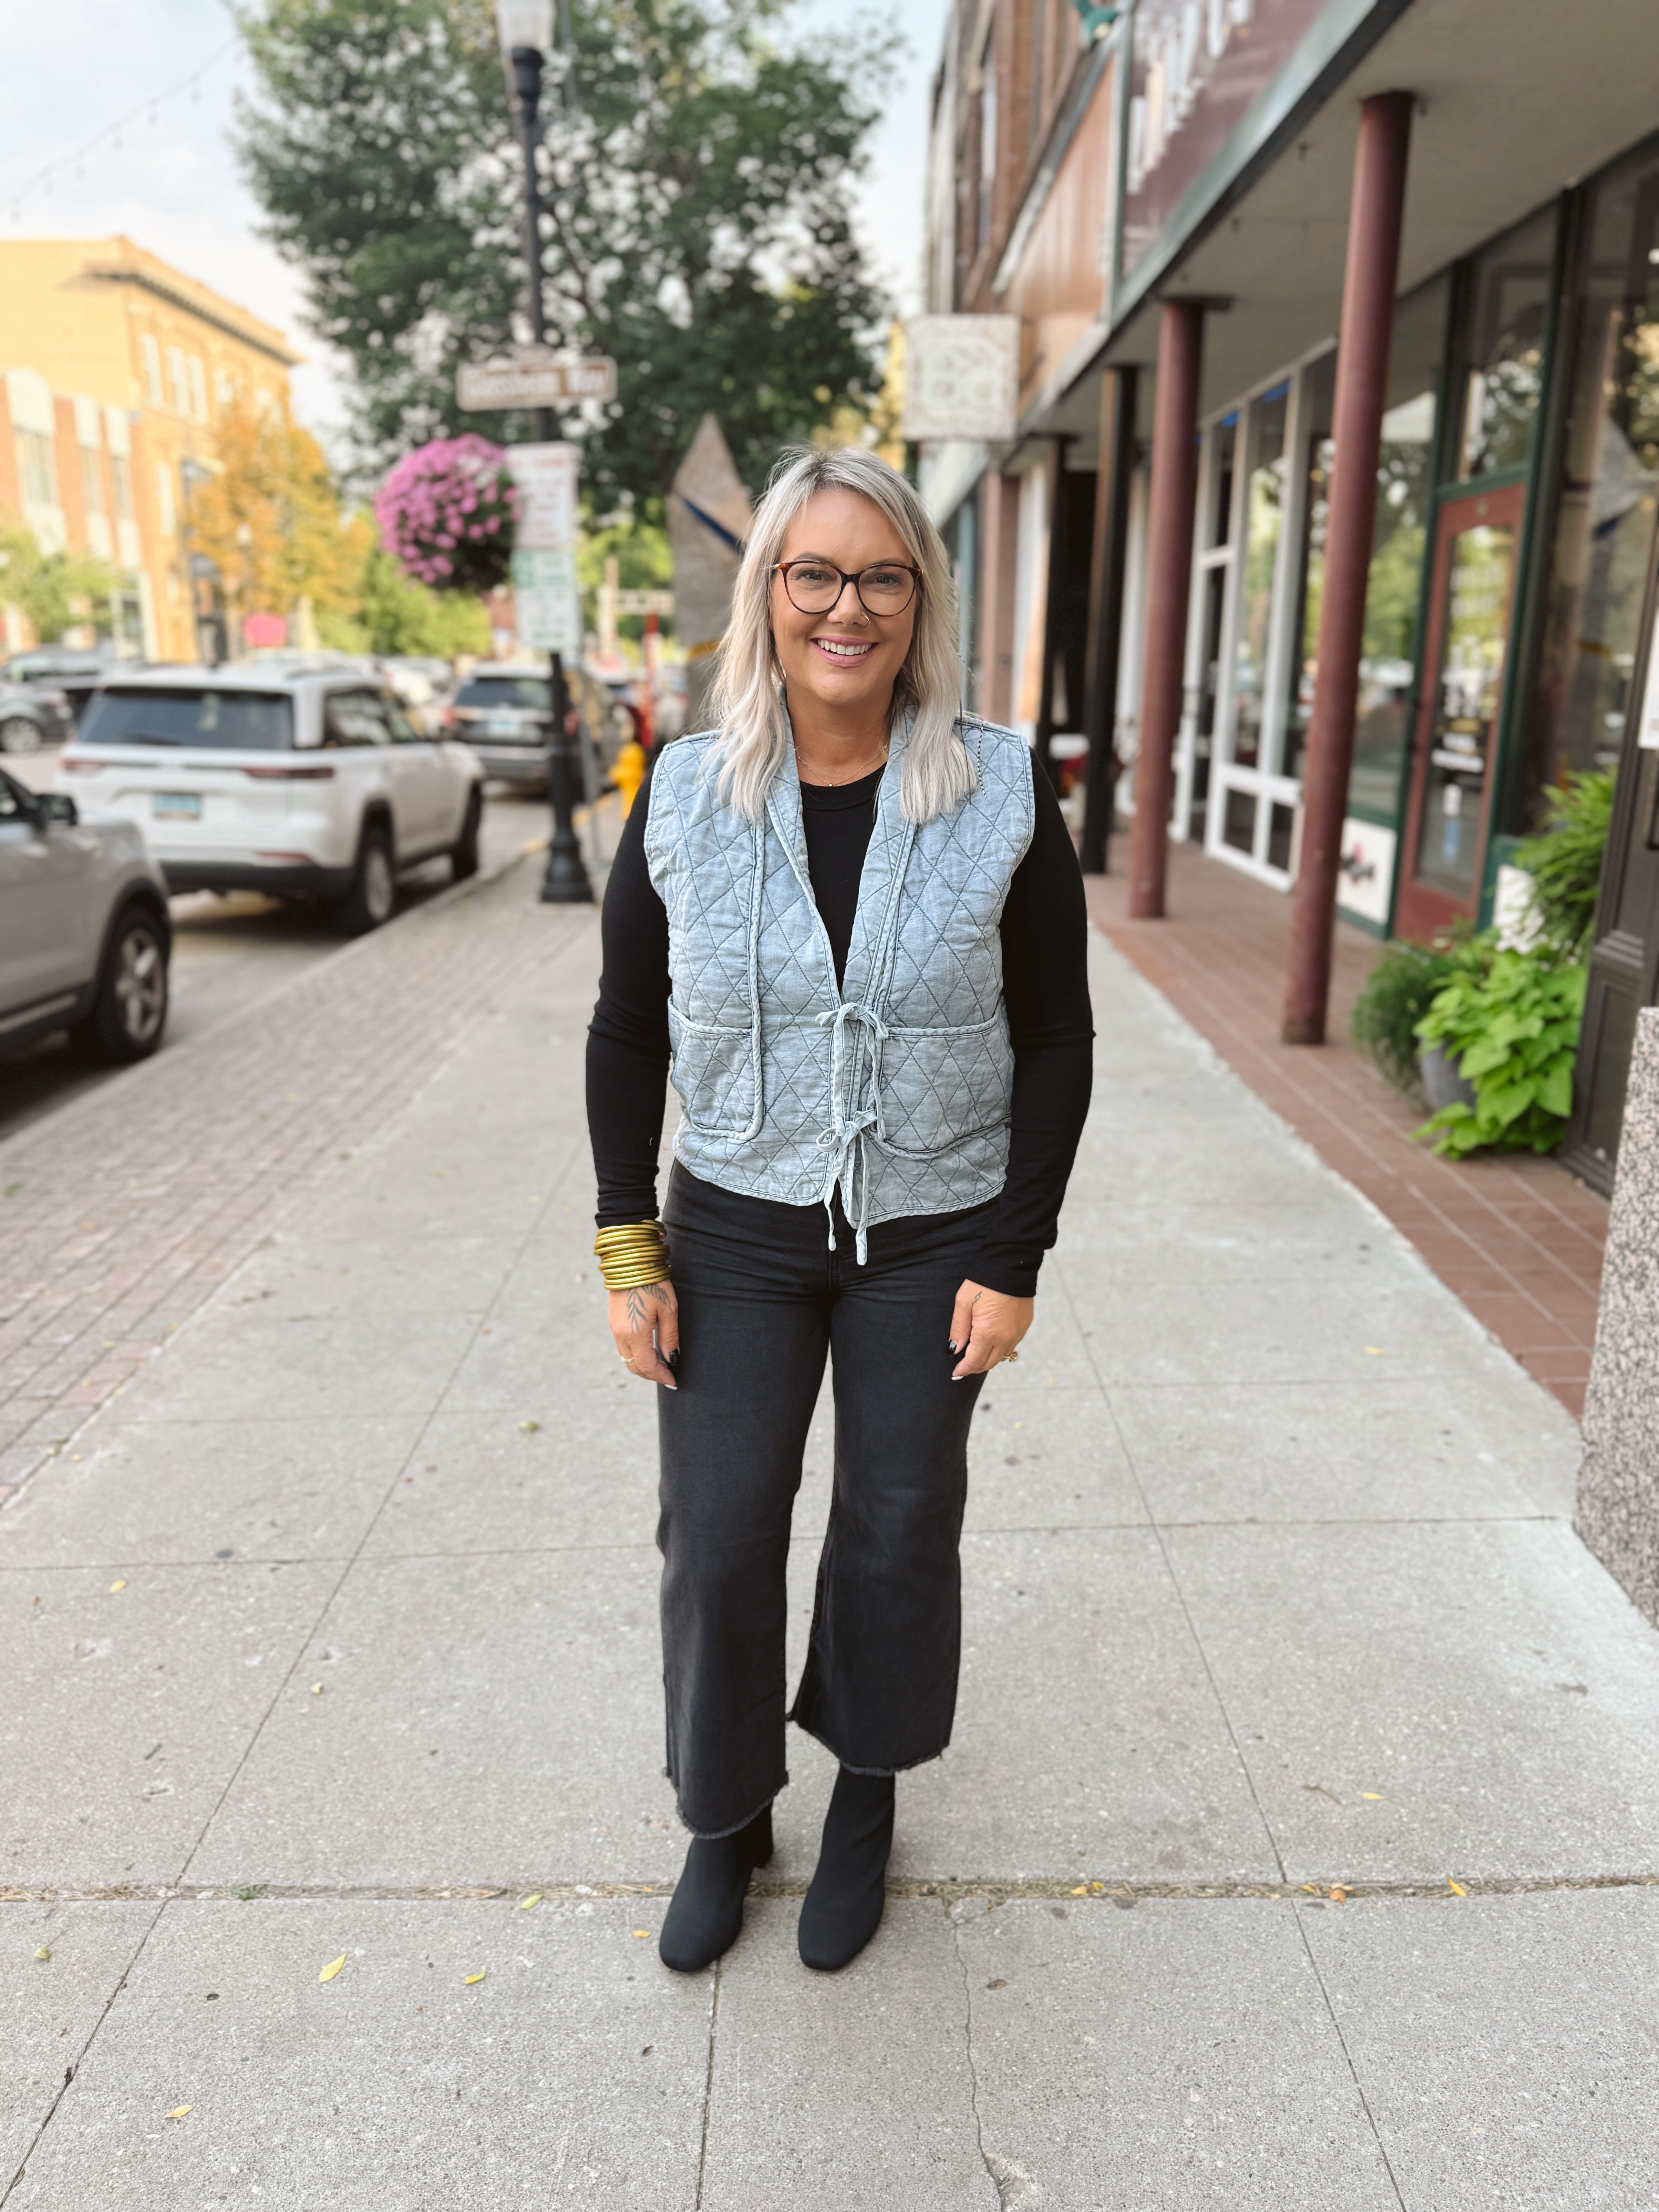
x=463 y=854
x=19 y=735
x=130 y=1012
x=374 y=891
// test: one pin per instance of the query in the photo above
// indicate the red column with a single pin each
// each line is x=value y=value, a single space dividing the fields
x=1169 y=585
x=1362 y=378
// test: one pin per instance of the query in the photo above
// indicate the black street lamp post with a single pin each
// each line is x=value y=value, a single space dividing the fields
x=526 y=29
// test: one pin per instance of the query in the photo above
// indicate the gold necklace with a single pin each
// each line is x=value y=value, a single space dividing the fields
x=834 y=783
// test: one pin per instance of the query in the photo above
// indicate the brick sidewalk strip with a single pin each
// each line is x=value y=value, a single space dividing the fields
x=1517 y=1237
x=122 y=1213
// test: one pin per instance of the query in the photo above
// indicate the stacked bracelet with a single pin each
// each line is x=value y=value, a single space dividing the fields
x=632 y=1254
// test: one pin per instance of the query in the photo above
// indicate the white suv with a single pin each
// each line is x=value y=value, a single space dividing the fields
x=306 y=782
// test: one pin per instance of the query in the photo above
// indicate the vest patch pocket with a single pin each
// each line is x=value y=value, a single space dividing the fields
x=938 y=1087
x=714 y=1072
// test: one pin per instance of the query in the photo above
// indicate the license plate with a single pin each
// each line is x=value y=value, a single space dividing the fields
x=178 y=805
x=504 y=725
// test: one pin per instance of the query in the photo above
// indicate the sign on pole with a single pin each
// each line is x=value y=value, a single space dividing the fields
x=538 y=377
x=961 y=377
x=546 y=599
x=547 y=607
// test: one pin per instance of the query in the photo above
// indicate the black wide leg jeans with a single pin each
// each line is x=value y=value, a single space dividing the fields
x=762 y=1302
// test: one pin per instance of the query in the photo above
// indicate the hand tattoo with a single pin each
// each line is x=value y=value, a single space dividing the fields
x=638 y=1313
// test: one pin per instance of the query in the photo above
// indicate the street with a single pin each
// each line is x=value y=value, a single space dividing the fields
x=230 y=951
x=1297 y=1841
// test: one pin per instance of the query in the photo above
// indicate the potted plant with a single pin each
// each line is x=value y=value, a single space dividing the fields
x=1398 y=993
x=447 y=513
x=1512 y=1035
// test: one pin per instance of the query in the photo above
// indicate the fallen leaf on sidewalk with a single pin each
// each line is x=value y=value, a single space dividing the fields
x=332 y=1968
x=470 y=1978
x=1338 y=1895
x=316 y=1689
x=529 y=1427
x=1082 y=1890
x=178 y=2112
x=525 y=1902
x=116 y=1586
x=639 y=1931
x=1376 y=1351
x=1457 y=1888
x=1372 y=1797
x=43 y=1953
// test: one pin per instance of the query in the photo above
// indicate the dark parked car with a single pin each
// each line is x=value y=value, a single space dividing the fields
x=74 y=672
x=33 y=715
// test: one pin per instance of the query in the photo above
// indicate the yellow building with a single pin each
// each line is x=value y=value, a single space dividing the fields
x=113 y=370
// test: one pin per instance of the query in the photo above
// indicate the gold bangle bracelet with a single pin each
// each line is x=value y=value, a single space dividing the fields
x=632 y=1254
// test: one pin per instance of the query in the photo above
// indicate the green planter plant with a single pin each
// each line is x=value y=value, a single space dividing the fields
x=1398 y=993
x=1565 y=862
x=1513 y=1034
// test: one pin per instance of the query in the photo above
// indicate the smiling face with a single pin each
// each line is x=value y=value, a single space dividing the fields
x=840 y=667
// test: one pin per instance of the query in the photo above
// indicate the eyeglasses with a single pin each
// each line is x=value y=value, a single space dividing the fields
x=815 y=586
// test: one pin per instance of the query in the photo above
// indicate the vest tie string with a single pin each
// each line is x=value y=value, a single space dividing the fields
x=855 y=1075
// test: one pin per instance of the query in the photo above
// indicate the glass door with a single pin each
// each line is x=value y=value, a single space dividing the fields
x=1456 y=743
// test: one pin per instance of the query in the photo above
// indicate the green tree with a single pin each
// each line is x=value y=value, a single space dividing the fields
x=55 y=591
x=400 y=615
x=696 y=178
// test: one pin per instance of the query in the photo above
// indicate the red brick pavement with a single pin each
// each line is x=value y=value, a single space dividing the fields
x=1517 y=1238
x=121 y=1214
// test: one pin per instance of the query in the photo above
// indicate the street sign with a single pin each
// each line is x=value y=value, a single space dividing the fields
x=546 y=479
x=547 y=607
x=644 y=603
x=537 y=378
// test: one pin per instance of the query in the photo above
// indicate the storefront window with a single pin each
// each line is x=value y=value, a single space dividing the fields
x=1605 y=518
x=1318 y=389
x=1504 y=370
x=1405 y=487
x=1264 y=504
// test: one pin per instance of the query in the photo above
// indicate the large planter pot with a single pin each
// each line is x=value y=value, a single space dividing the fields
x=1441 y=1080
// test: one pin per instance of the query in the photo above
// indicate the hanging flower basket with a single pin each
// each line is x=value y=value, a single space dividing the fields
x=447 y=513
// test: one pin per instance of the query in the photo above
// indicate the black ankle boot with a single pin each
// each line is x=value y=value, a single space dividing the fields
x=705 y=1913
x=844 y=1904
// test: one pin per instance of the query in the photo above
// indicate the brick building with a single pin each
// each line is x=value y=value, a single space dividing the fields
x=114 y=369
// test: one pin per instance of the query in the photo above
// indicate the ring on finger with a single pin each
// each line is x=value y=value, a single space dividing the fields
x=1009 y=1358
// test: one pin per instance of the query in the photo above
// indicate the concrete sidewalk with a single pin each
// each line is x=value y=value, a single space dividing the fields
x=339 y=1639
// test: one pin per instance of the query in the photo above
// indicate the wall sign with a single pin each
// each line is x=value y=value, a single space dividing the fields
x=1196 y=69
x=961 y=377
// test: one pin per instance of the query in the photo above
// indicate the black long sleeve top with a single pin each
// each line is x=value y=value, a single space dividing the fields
x=1045 y=990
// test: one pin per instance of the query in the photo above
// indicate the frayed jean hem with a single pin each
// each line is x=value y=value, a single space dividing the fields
x=719 y=1835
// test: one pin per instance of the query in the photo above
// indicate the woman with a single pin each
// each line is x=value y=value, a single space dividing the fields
x=854 y=919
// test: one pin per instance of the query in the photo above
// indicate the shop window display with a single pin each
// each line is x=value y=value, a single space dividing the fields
x=1404 y=491
x=1503 y=371
x=1264 y=506
x=1606 y=513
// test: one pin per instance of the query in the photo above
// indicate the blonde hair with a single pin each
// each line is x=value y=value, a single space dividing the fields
x=748 y=701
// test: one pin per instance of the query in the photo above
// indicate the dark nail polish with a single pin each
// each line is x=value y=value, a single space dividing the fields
x=953 y=1348
x=673 y=1359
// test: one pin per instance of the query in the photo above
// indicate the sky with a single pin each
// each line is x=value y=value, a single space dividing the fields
x=129 y=108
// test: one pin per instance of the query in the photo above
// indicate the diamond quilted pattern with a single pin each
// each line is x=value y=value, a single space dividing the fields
x=912 y=1114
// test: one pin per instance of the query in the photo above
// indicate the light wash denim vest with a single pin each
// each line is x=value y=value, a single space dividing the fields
x=897 y=1087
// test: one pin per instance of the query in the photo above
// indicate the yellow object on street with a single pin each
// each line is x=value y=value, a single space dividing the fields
x=627 y=773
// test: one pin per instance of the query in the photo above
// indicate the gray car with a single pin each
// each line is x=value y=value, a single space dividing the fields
x=33 y=715
x=85 y=938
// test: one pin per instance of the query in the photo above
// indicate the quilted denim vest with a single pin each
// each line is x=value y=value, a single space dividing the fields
x=894 y=1088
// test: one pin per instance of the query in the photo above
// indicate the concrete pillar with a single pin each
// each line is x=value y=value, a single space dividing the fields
x=998 y=557
x=1106 y=581
x=1169 y=585
x=1618 y=1514
x=1362 y=383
